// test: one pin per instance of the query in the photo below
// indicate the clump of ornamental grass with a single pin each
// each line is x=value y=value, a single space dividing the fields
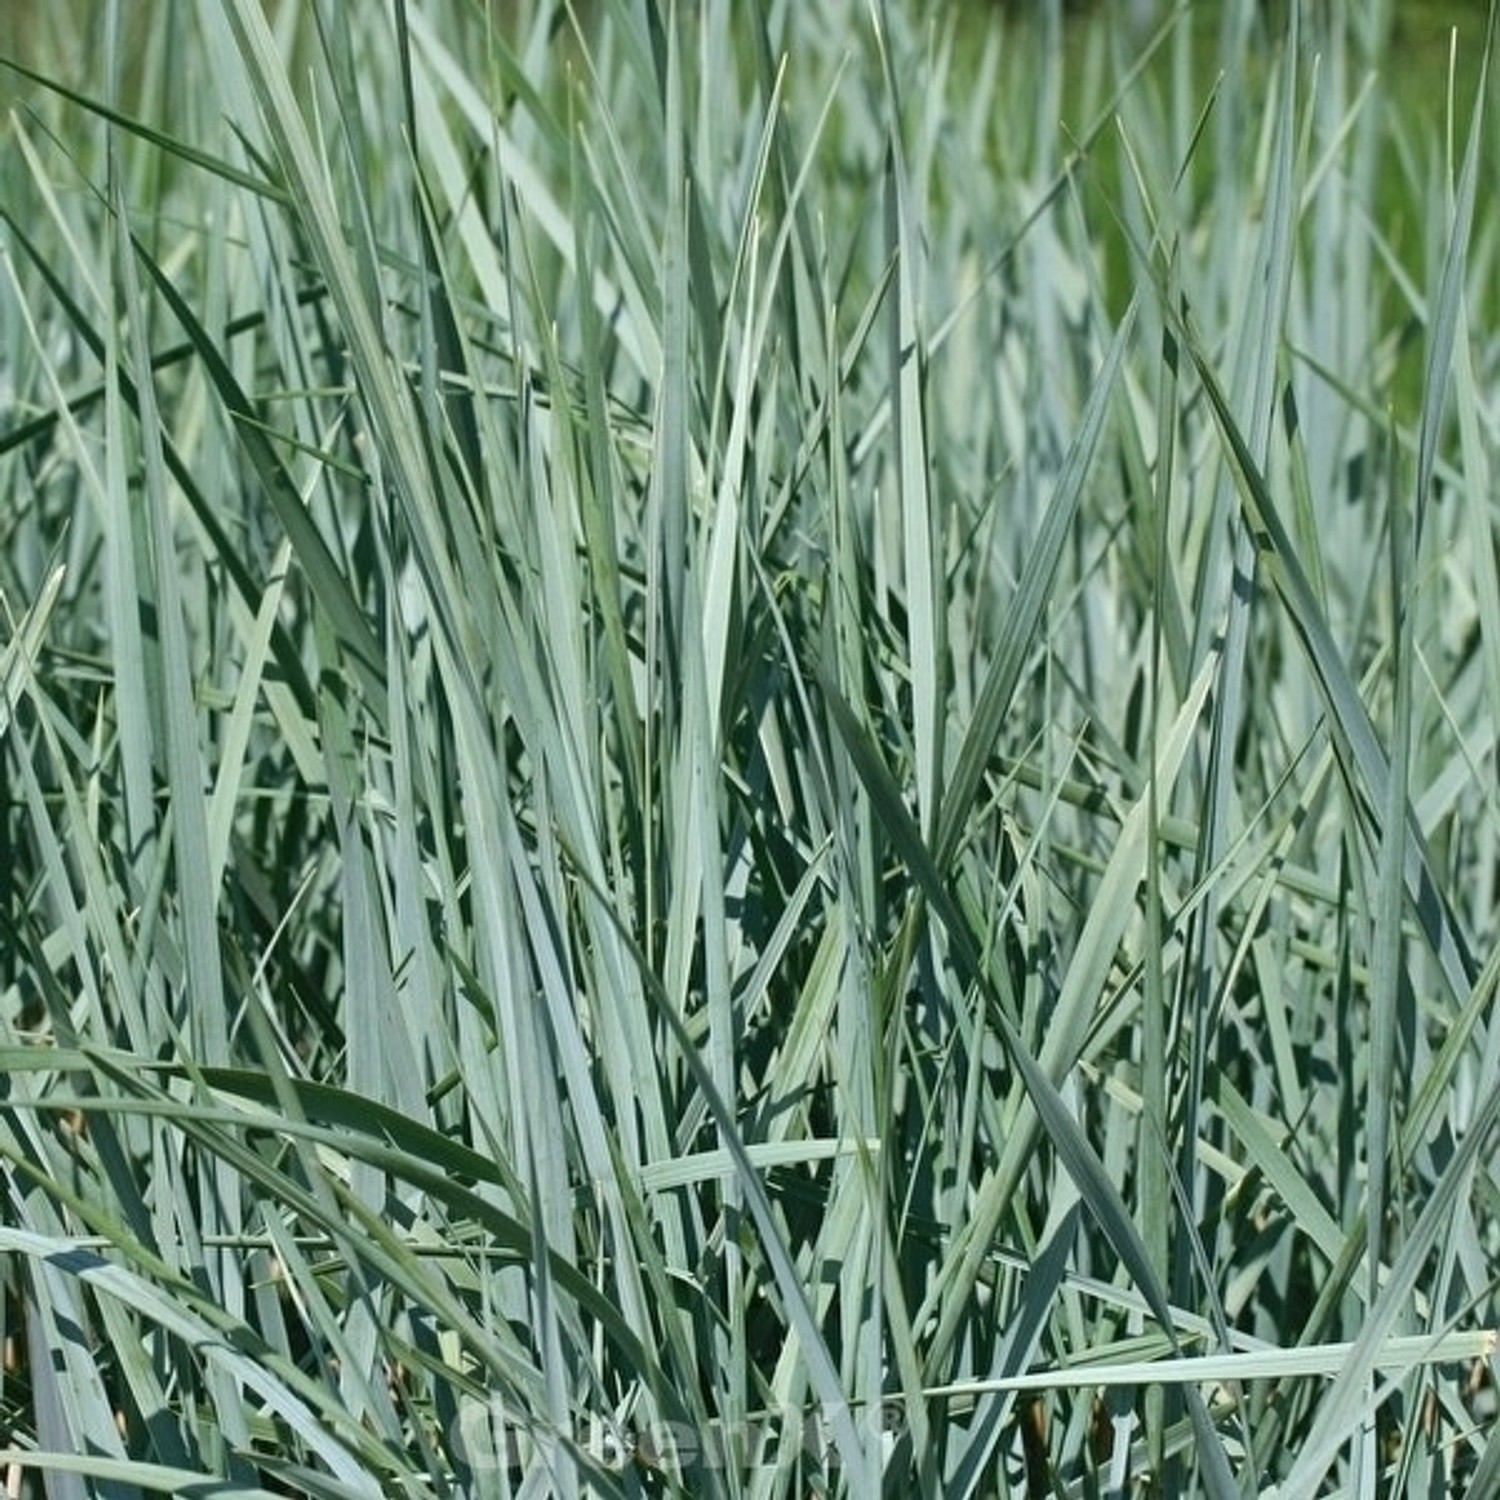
x=746 y=752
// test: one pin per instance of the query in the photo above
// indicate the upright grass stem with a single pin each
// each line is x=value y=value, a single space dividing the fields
x=745 y=752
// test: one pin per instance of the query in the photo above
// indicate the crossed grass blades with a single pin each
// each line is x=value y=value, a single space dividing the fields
x=747 y=751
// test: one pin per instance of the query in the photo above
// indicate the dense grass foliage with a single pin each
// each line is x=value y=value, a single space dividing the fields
x=747 y=751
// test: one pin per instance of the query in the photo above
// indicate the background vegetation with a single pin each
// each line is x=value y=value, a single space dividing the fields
x=747 y=751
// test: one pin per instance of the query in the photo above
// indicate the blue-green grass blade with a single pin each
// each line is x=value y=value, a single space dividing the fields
x=1029 y=604
x=1345 y=707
